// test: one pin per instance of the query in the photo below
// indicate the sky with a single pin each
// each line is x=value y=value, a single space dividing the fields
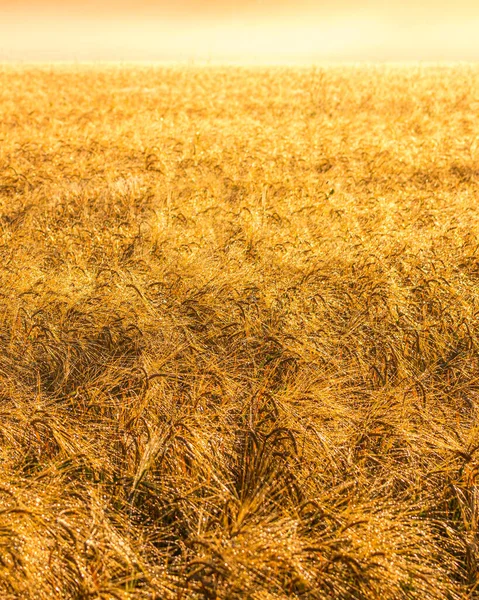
x=239 y=31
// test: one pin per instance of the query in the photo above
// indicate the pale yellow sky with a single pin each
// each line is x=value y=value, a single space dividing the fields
x=238 y=31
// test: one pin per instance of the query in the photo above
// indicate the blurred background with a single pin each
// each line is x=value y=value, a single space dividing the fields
x=239 y=31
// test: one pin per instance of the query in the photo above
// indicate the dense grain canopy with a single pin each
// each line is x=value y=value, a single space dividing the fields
x=239 y=332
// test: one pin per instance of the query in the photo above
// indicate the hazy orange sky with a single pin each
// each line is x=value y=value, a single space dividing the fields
x=239 y=30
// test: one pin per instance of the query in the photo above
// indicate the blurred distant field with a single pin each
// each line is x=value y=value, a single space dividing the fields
x=239 y=333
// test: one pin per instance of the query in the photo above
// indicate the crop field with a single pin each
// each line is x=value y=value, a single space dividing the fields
x=239 y=332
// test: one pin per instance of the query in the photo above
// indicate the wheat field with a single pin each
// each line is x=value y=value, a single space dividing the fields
x=239 y=332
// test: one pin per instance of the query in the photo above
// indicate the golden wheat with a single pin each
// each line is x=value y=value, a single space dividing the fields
x=239 y=332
